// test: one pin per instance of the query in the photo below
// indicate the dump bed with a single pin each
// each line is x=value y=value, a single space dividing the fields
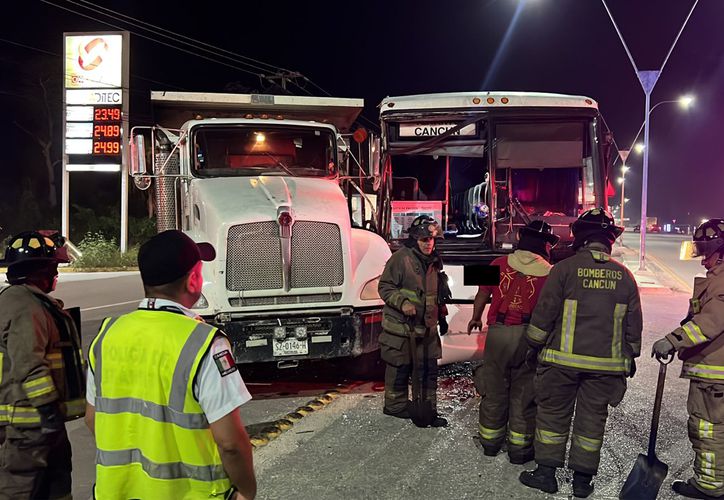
x=173 y=109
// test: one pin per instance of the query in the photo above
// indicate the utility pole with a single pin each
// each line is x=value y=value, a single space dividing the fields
x=283 y=77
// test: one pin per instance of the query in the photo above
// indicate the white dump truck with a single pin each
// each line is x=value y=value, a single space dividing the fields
x=266 y=180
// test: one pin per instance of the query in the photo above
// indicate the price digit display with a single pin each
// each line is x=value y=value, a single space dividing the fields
x=106 y=131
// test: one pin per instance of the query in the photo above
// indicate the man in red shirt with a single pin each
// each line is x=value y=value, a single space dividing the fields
x=505 y=379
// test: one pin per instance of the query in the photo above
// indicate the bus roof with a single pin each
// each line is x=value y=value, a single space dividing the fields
x=483 y=100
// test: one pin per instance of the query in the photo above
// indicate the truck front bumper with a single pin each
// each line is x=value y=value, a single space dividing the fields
x=328 y=335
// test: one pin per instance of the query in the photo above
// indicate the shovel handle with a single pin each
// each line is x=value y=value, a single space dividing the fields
x=657 y=405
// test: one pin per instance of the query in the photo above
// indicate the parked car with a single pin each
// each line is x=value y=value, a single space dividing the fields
x=654 y=228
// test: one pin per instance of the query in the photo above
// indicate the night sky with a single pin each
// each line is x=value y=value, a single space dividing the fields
x=372 y=49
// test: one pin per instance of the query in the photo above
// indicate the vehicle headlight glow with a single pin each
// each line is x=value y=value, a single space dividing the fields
x=202 y=303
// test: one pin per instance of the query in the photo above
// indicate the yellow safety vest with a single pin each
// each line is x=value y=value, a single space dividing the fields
x=152 y=436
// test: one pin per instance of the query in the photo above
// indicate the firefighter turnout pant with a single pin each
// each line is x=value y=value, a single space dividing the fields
x=35 y=465
x=395 y=352
x=505 y=383
x=558 y=390
x=706 y=433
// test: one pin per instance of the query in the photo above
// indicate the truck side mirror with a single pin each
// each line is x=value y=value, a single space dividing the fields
x=138 y=156
x=374 y=157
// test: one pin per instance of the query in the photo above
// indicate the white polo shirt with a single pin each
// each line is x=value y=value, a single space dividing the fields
x=217 y=395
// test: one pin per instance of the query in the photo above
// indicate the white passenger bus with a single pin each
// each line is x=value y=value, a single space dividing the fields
x=484 y=164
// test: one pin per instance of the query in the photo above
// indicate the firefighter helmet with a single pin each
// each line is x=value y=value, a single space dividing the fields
x=593 y=223
x=35 y=246
x=424 y=226
x=541 y=230
x=708 y=238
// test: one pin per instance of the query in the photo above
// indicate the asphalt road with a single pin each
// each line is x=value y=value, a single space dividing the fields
x=663 y=250
x=349 y=449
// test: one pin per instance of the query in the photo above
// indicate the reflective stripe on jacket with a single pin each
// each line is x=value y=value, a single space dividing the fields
x=699 y=340
x=406 y=279
x=34 y=333
x=588 y=315
x=152 y=436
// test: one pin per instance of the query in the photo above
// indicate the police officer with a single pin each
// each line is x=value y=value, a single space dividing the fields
x=504 y=380
x=164 y=391
x=409 y=287
x=587 y=326
x=42 y=382
x=700 y=344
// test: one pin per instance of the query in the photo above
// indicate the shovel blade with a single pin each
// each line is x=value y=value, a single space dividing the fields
x=645 y=479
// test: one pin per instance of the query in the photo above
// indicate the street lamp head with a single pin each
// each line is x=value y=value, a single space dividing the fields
x=625 y=200
x=639 y=147
x=621 y=180
x=686 y=101
x=624 y=169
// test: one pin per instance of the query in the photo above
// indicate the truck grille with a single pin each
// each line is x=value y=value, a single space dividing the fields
x=316 y=255
x=285 y=300
x=254 y=259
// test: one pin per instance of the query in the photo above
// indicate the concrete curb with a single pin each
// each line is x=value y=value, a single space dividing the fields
x=273 y=431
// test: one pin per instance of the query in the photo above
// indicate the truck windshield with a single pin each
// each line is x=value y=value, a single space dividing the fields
x=263 y=150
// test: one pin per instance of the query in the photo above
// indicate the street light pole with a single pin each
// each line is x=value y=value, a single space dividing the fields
x=648 y=80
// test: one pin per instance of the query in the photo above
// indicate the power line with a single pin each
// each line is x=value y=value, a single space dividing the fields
x=177 y=37
x=149 y=38
x=55 y=54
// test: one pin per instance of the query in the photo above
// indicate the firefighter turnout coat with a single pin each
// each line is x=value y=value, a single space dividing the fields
x=40 y=357
x=581 y=328
x=700 y=343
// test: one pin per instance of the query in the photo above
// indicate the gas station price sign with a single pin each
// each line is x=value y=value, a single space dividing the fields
x=107 y=131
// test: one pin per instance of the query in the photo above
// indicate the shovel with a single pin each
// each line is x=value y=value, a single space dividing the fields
x=421 y=411
x=649 y=472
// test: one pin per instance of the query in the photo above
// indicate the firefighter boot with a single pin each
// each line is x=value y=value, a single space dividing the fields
x=403 y=413
x=438 y=421
x=582 y=486
x=686 y=489
x=543 y=478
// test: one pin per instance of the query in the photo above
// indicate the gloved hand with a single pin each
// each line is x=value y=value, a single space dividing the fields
x=408 y=308
x=51 y=419
x=662 y=348
x=531 y=357
x=632 y=372
x=473 y=324
x=442 y=323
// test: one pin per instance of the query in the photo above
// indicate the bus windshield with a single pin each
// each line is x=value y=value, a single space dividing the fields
x=263 y=150
x=497 y=179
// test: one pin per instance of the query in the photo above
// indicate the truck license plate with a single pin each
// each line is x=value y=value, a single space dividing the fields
x=290 y=347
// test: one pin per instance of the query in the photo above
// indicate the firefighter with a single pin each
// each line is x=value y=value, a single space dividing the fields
x=586 y=329
x=409 y=287
x=504 y=380
x=699 y=342
x=42 y=381
x=164 y=384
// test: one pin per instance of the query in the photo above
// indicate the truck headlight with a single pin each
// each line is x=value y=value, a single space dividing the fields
x=202 y=303
x=369 y=291
x=280 y=333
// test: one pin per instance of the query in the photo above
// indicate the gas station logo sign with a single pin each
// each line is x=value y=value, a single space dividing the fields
x=93 y=61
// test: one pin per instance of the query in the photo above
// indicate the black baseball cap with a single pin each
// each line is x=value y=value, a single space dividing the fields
x=170 y=255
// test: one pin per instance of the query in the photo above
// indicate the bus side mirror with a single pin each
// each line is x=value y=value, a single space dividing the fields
x=138 y=156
